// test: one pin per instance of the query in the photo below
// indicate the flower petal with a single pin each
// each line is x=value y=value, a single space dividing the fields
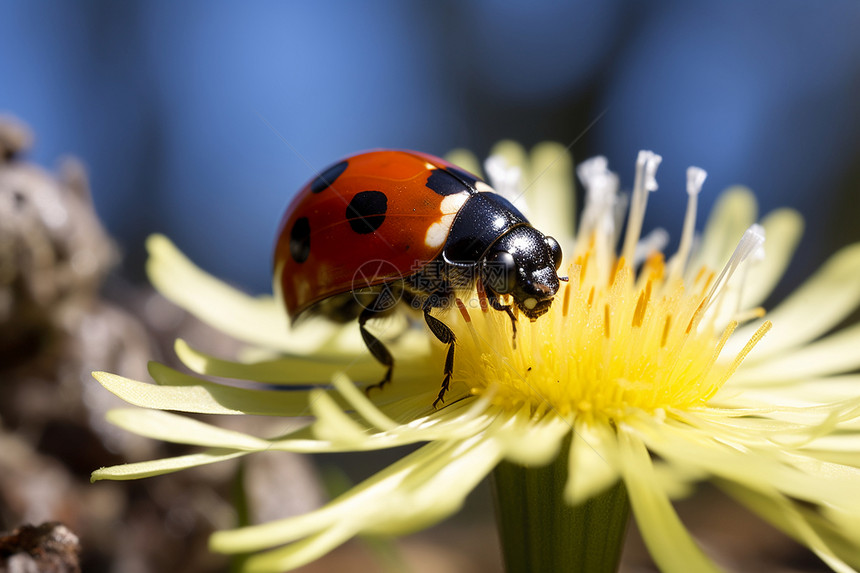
x=833 y=292
x=177 y=429
x=782 y=230
x=833 y=354
x=465 y=159
x=333 y=424
x=301 y=552
x=733 y=213
x=836 y=546
x=255 y=320
x=593 y=462
x=803 y=393
x=432 y=482
x=294 y=370
x=163 y=466
x=721 y=454
x=550 y=192
x=529 y=442
x=667 y=539
x=177 y=391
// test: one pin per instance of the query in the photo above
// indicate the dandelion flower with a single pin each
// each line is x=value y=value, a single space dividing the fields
x=648 y=374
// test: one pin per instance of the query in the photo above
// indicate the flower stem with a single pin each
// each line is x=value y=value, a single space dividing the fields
x=540 y=532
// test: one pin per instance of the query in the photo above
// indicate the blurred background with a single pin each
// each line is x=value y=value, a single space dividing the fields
x=201 y=119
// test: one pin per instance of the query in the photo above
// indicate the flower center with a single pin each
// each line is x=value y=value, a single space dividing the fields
x=608 y=345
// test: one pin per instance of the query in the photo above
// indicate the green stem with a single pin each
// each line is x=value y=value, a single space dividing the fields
x=540 y=532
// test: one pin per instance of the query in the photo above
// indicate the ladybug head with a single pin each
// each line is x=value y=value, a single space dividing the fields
x=524 y=264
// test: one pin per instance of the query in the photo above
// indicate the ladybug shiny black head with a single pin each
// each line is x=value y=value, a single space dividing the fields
x=524 y=264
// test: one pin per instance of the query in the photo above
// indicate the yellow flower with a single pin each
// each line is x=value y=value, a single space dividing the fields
x=649 y=372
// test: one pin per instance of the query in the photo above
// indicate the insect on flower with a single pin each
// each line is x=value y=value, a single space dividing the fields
x=383 y=227
x=649 y=373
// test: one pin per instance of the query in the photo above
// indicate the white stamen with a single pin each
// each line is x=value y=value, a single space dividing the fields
x=598 y=214
x=601 y=190
x=749 y=246
x=654 y=241
x=647 y=163
x=505 y=179
x=695 y=179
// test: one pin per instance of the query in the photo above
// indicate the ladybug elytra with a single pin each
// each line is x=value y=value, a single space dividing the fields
x=387 y=226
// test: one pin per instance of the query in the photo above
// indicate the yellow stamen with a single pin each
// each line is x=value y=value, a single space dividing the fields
x=604 y=350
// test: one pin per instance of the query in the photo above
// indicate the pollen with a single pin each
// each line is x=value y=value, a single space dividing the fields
x=602 y=350
x=617 y=338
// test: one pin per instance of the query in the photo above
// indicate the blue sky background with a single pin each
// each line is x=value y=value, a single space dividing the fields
x=170 y=104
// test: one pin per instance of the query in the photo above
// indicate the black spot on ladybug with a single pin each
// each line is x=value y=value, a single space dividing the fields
x=444 y=183
x=300 y=240
x=464 y=176
x=366 y=211
x=324 y=180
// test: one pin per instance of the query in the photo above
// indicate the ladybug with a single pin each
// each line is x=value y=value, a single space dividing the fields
x=383 y=228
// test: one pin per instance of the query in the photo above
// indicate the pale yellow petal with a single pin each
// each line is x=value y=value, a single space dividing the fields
x=255 y=320
x=837 y=548
x=465 y=159
x=668 y=541
x=816 y=307
x=741 y=461
x=294 y=370
x=177 y=429
x=185 y=393
x=163 y=466
x=783 y=229
x=532 y=443
x=333 y=424
x=800 y=393
x=834 y=354
x=733 y=213
x=432 y=482
x=358 y=400
x=513 y=153
x=592 y=463
x=301 y=552
x=550 y=193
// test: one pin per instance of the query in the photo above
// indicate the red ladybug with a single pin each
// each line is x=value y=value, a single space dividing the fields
x=388 y=226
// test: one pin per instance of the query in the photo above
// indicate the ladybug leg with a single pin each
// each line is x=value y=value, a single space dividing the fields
x=382 y=303
x=445 y=336
x=497 y=304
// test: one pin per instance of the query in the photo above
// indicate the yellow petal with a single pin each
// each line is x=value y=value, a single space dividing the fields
x=740 y=461
x=513 y=153
x=667 y=539
x=550 y=192
x=831 y=355
x=820 y=536
x=301 y=552
x=432 y=482
x=358 y=400
x=169 y=427
x=532 y=443
x=294 y=370
x=465 y=159
x=732 y=214
x=816 y=307
x=593 y=463
x=333 y=424
x=782 y=230
x=185 y=393
x=255 y=320
x=163 y=466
